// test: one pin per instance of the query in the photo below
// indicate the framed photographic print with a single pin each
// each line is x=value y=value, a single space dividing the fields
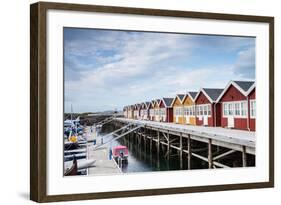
x=135 y=102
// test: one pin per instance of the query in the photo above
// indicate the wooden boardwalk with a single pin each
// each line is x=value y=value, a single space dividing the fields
x=180 y=137
x=221 y=136
x=103 y=165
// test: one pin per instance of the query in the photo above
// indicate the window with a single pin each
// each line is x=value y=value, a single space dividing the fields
x=185 y=110
x=225 y=110
x=253 y=108
x=163 y=112
x=238 y=109
x=205 y=111
x=201 y=110
x=230 y=107
x=243 y=108
x=193 y=110
x=209 y=109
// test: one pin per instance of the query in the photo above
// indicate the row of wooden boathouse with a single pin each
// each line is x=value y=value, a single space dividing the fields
x=231 y=107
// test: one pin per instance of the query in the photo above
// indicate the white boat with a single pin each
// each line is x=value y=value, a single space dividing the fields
x=74 y=151
x=78 y=156
x=81 y=164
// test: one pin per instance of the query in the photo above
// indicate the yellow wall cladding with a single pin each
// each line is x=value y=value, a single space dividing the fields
x=188 y=101
x=177 y=103
x=180 y=120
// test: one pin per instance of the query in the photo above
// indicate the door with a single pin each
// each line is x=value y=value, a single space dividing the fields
x=205 y=120
x=187 y=120
x=230 y=122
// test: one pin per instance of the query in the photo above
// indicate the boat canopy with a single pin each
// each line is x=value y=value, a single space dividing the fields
x=118 y=149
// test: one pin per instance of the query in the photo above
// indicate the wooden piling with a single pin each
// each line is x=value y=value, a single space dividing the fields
x=189 y=152
x=181 y=147
x=158 y=143
x=158 y=150
x=210 y=154
x=150 y=143
x=168 y=146
x=244 y=157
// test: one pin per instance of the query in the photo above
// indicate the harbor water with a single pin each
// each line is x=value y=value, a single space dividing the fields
x=140 y=159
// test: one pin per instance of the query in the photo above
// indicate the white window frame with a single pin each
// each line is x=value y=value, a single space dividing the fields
x=178 y=111
x=152 y=112
x=163 y=112
x=205 y=109
x=232 y=104
x=251 y=115
x=189 y=110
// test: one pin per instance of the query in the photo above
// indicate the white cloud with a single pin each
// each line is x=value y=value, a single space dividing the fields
x=244 y=67
x=129 y=68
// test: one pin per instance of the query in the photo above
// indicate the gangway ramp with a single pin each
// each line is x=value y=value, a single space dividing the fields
x=125 y=130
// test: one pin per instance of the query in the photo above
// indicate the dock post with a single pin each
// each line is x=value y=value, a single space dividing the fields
x=210 y=154
x=150 y=146
x=189 y=152
x=181 y=164
x=158 y=149
x=150 y=143
x=168 y=146
x=144 y=140
x=244 y=156
x=158 y=142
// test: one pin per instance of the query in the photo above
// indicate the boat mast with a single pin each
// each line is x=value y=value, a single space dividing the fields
x=71 y=111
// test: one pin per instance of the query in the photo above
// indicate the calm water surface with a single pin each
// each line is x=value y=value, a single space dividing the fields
x=141 y=160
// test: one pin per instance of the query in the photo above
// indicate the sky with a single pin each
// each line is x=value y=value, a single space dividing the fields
x=107 y=69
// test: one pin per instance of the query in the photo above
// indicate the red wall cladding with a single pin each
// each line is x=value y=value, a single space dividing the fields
x=232 y=94
x=202 y=99
x=252 y=96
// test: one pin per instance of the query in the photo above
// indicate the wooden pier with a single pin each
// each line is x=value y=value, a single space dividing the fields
x=213 y=145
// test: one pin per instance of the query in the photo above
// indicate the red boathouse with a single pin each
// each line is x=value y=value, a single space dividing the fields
x=208 y=112
x=238 y=105
x=166 y=110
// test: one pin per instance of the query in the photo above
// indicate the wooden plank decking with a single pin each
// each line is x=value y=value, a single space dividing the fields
x=103 y=164
x=239 y=140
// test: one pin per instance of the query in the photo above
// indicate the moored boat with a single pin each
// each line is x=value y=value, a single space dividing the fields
x=120 y=153
x=73 y=170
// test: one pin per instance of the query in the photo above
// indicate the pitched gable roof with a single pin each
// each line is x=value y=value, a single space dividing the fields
x=153 y=102
x=147 y=104
x=211 y=93
x=245 y=87
x=180 y=96
x=193 y=94
x=137 y=106
x=168 y=101
x=158 y=101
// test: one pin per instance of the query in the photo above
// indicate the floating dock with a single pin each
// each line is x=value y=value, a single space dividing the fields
x=103 y=165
